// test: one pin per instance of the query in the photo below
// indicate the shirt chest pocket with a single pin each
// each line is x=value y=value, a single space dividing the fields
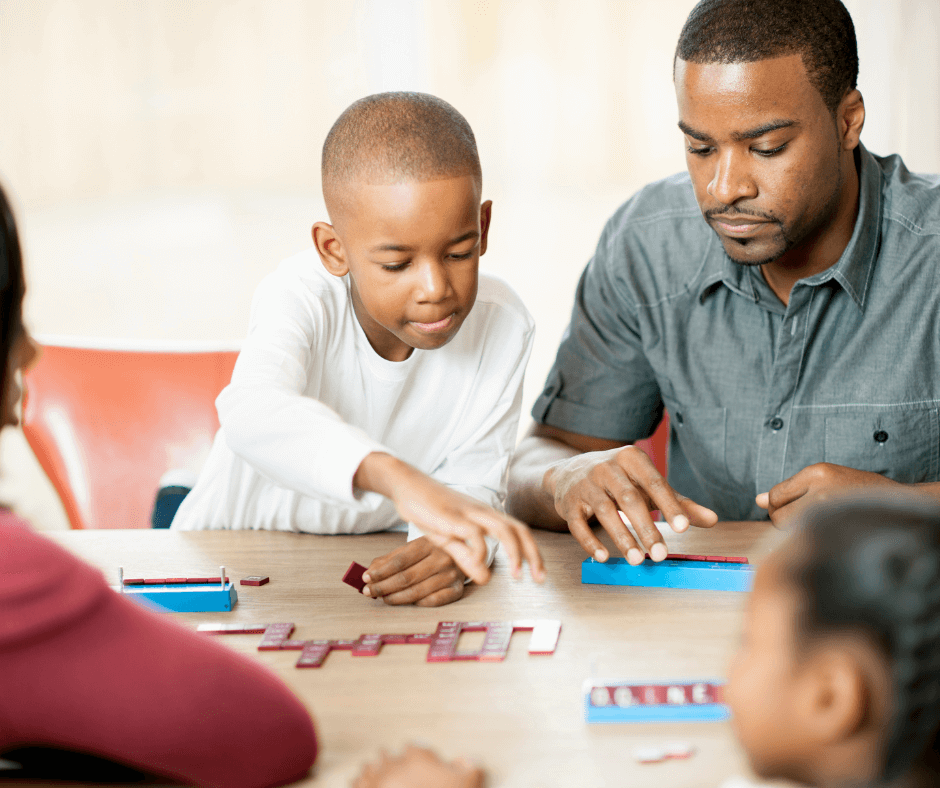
x=902 y=445
x=701 y=435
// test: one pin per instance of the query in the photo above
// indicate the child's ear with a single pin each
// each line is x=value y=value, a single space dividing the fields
x=486 y=214
x=838 y=696
x=330 y=248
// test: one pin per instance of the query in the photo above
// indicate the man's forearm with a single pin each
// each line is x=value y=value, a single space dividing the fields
x=528 y=498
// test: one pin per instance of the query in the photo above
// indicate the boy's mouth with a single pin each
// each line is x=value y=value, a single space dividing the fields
x=437 y=326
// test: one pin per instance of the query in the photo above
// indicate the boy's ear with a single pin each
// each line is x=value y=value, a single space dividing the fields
x=486 y=214
x=330 y=248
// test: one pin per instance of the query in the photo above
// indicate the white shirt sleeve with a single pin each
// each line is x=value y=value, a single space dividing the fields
x=291 y=439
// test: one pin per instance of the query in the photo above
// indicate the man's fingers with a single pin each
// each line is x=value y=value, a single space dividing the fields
x=608 y=515
x=698 y=515
x=398 y=560
x=425 y=568
x=581 y=531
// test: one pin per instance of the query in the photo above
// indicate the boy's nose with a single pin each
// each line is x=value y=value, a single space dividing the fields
x=433 y=284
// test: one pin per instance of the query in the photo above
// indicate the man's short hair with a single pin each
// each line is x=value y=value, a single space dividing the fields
x=391 y=137
x=744 y=31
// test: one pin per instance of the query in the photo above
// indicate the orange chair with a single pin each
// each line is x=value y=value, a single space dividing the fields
x=106 y=424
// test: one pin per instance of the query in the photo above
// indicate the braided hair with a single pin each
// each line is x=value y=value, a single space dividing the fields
x=12 y=287
x=872 y=566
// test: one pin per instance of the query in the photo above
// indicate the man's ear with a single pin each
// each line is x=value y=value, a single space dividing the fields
x=330 y=249
x=851 y=118
x=486 y=214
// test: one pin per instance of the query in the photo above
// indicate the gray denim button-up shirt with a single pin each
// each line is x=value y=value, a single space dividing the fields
x=848 y=372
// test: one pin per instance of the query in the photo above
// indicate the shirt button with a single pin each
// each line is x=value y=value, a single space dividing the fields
x=881 y=436
x=679 y=420
x=776 y=423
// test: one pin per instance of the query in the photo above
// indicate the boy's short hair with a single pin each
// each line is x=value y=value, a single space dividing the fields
x=744 y=31
x=390 y=137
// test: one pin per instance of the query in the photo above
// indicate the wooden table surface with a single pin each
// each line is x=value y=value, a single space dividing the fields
x=522 y=718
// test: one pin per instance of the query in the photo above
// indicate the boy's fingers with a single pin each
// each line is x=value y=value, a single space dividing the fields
x=429 y=566
x=449 y=584
x=397 y=561
x=531 y=551
x=473 y=564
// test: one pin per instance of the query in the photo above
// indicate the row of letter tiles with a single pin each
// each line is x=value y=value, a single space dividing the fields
x=167 y=581
x=656 y=695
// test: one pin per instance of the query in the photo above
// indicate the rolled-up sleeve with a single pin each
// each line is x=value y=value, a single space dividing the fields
x=602 y=384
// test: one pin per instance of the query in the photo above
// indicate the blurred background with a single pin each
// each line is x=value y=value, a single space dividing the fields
x=163 y=155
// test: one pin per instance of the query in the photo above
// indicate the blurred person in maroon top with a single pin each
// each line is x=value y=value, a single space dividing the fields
x=87 y=675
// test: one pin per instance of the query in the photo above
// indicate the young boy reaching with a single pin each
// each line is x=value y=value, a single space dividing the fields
x=382 y=383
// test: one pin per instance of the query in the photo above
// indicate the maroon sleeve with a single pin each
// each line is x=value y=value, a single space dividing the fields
x=86 y=669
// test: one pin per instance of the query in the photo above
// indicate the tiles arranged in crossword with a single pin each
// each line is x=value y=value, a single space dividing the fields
x=662 y=701
x=686 y=573
x=442 y=643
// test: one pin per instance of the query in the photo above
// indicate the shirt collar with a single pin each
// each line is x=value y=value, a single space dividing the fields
x=854 y=268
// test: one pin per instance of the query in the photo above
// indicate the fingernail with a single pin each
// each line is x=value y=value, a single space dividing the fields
x=680 y=523
x=658 y=551
x=366 y=591
x=367 y=577
x=634 y=556
x=600 y=554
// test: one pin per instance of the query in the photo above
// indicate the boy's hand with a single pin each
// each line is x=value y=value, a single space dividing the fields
x=419 y=768
x=417 y=573
x=452 y=521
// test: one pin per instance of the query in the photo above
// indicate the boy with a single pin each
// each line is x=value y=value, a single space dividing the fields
x=338 y=419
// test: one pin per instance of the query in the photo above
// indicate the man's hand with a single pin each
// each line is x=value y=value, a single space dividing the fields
x=813 y=484
x=604 y=483
x=417 y=573
x=450 y=520
x=419 y=768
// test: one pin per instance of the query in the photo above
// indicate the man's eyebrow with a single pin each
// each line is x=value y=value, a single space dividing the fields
x=400 y=248
x=750 y=134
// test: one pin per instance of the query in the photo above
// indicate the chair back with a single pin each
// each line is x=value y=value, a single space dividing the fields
x=106 y=423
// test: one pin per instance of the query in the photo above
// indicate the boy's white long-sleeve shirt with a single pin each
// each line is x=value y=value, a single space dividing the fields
x=310 y=398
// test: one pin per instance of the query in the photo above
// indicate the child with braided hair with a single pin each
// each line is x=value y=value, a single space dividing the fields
x=837 y=681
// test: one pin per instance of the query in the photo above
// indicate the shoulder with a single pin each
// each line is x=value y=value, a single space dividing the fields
x=498 y=300
x=911 y=200
x=658 y=210
x=300 y=289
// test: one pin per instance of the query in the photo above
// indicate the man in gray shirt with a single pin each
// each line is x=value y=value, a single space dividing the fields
x=780 y=301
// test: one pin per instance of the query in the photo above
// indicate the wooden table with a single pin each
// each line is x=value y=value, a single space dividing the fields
x=522 y=718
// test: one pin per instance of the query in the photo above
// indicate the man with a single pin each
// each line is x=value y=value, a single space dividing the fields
x=792 y=335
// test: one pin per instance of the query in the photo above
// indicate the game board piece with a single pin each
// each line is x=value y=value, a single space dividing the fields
x=313 y=654
x=367 y=646
x=182 y=598
x=420 y=638
x=679 y=750
x=274 y=636
x=649 y=755
x=214 y=581
x=293 y=645
x=353 y=576
x=254 y=580
x=496 y=642
x=736 y=559
x=155 y=581
x=197 y=580
x=544 y=637
x=395 y=639
x=173 y=581
x=674 y=701
x=444 y=645
x=706 y=576
x=136 y=581
x=233 y=629
x=344 y=645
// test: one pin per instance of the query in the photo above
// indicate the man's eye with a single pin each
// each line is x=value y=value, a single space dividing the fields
x=699 y=151
x=771 y=152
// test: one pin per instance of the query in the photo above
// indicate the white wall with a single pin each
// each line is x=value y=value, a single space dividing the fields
x=164 y=154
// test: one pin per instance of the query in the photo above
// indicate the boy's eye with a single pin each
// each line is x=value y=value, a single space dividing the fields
x=462 y=256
